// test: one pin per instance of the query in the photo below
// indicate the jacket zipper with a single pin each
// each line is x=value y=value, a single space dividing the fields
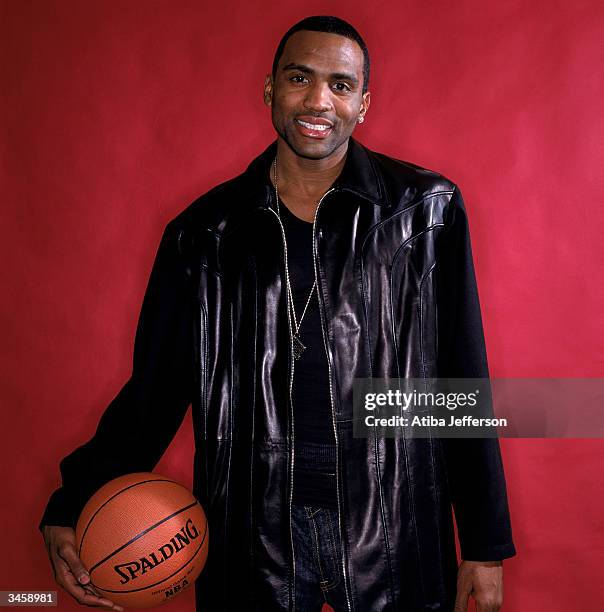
x=203 y=387
x=291 y=441
x=333 y=417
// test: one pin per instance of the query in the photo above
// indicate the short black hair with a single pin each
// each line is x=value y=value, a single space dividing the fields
x=331 y=25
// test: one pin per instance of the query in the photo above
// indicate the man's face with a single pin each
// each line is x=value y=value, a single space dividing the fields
x=316 y=97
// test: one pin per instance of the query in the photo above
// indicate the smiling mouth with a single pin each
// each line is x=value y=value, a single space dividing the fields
x=317 y=131
x=317 y=127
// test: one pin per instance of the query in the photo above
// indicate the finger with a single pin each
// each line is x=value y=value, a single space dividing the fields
x=103 y=601
x=86 y=596
x=83 y=594
x=87 y=599
x=67 y=553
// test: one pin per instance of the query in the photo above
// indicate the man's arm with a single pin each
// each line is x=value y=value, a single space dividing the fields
x=474 y=466
x=138 y=425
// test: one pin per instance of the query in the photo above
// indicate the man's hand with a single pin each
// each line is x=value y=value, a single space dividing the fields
x=483 y=580
x=69 y=570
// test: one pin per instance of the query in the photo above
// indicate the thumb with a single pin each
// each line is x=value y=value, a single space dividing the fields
x=68 y=553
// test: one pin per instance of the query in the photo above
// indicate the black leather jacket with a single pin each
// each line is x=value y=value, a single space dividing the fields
x=398 y=298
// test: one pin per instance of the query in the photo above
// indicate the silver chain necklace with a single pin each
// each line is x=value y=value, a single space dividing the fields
x=298 y=344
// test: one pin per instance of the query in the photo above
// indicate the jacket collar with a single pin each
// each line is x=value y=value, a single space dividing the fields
x=358 y=176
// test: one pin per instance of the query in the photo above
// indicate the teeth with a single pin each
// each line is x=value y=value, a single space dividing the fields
x=312 y=126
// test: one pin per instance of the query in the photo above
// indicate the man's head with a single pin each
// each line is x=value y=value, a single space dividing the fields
x=320 y=75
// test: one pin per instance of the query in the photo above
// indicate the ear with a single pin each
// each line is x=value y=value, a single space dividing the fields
x=268 y=90
x=365 y=103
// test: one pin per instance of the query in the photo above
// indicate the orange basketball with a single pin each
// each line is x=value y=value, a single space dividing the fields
x=143 y=539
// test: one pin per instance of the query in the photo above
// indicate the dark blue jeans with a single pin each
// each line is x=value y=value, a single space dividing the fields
x=318 y=558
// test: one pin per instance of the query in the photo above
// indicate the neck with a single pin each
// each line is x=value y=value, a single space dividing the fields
x=307 y=178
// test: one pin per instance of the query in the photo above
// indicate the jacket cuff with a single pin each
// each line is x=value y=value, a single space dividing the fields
x=497 y=552
x=60 y=510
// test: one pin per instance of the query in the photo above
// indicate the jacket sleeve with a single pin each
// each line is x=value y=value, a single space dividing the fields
x=474 y=466
x=138 y=425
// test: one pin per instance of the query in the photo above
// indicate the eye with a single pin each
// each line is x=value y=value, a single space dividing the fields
x=344 y=88
x=297 y=76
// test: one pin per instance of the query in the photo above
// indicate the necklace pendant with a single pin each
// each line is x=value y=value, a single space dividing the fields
x=298 y=347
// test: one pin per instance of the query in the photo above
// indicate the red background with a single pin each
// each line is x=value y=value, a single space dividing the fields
x=116 y=115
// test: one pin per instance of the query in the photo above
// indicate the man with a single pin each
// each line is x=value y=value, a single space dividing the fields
x=321 y=263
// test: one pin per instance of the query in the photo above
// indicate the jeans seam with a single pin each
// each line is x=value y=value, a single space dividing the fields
x=315 y=541
x=334 y=554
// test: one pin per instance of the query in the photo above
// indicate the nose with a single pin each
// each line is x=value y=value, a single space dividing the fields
x=318 y=97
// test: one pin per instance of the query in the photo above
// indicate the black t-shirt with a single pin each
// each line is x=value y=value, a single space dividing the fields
x=314 y=441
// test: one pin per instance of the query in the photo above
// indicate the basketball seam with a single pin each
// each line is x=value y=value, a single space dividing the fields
x=164 y=579
x=141 y=534
x=136 y=484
